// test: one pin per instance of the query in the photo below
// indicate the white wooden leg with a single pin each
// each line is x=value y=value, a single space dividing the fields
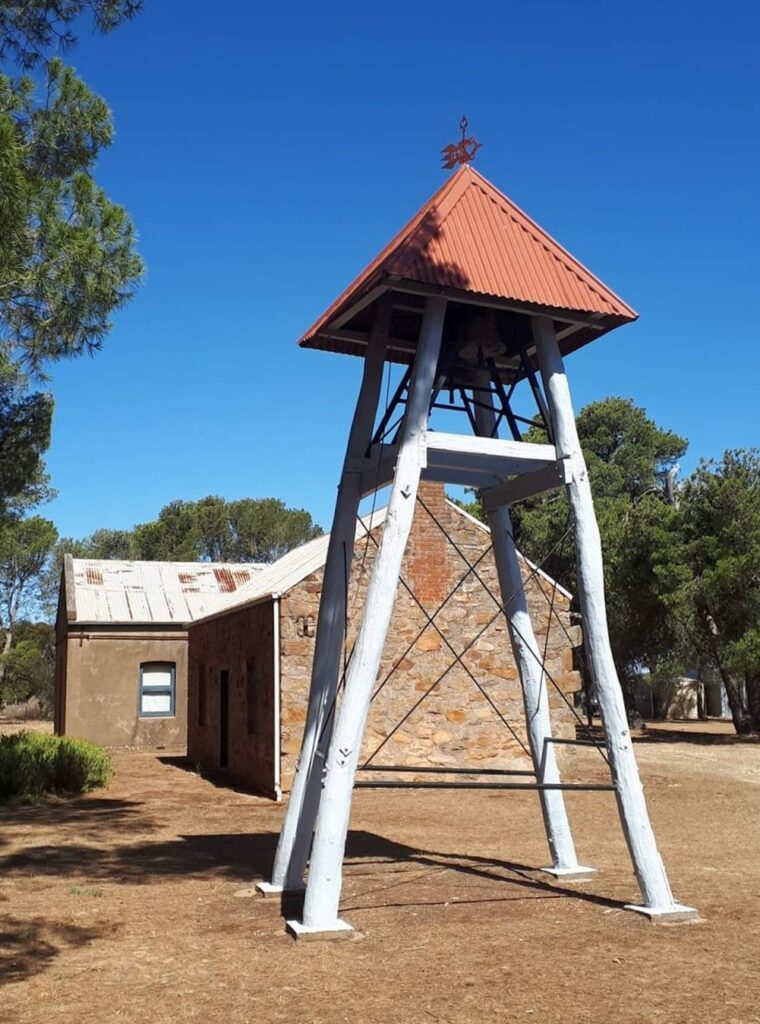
x=534 y=685
x=648 y=865
x=298 y=824
x=325 y=871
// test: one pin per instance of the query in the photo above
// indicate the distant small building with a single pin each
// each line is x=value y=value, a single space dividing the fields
x=121 y=646
x=692 y=696
x=251 y=658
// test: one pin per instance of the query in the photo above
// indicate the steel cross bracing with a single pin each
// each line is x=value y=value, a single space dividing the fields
x=458 y=656
x=479 y=396
x=458 y=660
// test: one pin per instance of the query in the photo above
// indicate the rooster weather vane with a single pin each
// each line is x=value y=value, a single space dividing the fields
x=462 y=152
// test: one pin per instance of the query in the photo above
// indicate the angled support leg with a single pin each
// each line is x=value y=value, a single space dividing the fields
x=298 y=825
x=650 y=870
x=529 y=665
x=320 y=912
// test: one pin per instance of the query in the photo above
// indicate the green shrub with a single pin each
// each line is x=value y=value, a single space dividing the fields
x=33 y=764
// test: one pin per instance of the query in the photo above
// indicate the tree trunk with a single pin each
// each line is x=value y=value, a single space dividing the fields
x=739 y=714
x=752 y=680
x=741 y=719
x=6 y=647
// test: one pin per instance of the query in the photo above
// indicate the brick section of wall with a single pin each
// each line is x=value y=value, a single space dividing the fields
x=455 y=725
x=426 y=557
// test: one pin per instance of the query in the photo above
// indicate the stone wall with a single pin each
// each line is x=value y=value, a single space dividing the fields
x=456 y=724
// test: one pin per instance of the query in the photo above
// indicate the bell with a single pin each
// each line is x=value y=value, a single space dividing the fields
x=482 y=338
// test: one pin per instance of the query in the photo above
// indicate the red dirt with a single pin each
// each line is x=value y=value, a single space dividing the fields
x=134 y=904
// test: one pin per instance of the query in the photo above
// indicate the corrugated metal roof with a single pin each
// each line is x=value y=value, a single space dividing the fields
x=469 y=237
x=290 y=570
x=166 y=592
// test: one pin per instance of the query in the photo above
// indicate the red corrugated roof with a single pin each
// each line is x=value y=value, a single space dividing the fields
x=470 y=238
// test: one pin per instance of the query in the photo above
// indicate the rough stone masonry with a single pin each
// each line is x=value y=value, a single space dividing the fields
x=455 y=724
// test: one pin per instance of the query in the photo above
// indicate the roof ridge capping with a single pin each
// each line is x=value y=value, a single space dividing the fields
x=198 y=563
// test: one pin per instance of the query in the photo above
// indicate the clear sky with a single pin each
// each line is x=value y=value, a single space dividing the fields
x=267 y=151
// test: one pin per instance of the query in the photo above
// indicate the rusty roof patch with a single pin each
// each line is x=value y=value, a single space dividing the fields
x=226 y=580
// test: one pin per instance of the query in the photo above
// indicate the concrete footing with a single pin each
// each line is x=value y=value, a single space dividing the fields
x=338 y=930
x=579 y=873
x=677 y=914
x=268 y=889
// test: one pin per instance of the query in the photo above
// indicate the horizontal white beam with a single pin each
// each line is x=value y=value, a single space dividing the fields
x=456 y=445
x=480 y=462
x=526 y=486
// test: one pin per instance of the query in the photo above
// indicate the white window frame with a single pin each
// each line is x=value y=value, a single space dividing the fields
x=157 y=690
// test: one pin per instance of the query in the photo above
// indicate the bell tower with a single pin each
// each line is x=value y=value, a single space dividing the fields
x=478 y=304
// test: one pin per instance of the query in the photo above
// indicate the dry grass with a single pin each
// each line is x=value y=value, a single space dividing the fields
x=10 y=724
x=24 y=711
x=134 y=904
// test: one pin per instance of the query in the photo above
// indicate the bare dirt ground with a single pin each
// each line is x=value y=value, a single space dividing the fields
x=134 y=904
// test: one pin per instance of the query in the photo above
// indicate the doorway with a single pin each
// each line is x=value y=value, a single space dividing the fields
x=224 y=717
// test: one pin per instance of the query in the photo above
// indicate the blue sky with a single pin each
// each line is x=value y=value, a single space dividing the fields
x=266 y=152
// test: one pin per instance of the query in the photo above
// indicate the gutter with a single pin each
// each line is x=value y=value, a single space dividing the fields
x=276 y=702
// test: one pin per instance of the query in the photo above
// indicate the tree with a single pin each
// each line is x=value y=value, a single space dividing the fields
x=212 y=529
x=67 y=262
x=631 y=463
x=24 y=436
x=29 y=666
x=118 y=544
x=67 y=254
x=30 y=29
x=721 y=529
x=25 y=547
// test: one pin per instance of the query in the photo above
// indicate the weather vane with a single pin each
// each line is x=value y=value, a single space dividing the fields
x=462 y=152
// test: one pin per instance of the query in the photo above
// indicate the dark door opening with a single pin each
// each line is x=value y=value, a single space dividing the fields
x=224 y=716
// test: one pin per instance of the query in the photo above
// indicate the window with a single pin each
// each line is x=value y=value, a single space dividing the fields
x=157 y=688
x=251 y=695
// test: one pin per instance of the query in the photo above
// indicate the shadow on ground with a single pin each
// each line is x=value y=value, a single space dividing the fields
x=81 y=814
x=247 y=857
x=29 y=947
x=218 y=778
x=654 y=735
x=672 y=734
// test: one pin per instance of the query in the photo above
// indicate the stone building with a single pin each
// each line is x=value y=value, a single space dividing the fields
x=121 y=646
x=250 y=660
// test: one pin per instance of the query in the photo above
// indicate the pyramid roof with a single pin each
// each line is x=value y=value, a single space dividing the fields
x=472 y=243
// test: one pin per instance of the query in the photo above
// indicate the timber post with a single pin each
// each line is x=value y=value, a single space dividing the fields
x=532 y=680
x=320 y=911
x=298 y=825
x=634 y=816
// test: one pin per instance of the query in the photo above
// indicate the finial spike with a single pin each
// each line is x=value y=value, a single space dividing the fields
x=462 y=152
